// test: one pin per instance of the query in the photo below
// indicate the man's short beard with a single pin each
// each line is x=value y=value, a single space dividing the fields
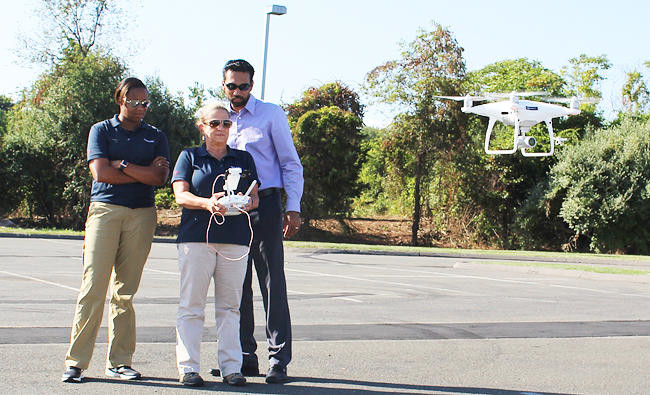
x=242 y=104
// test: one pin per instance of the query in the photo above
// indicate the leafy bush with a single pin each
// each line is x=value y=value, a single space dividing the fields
x=165 y=198
x=328 y=141
x=604 y=186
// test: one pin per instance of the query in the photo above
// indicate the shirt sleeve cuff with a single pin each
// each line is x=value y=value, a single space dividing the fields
x=292 y=205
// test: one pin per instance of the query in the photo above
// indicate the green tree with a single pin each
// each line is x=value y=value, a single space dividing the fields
x=583 y=76
x=199 y=94
x=8 y=187
x=5 y=106
x=516 y=74
x=169 y=113
x=428 y=129
x=328 y=141
x=49 y=129
x=331 y=94
x=381 y=185
x=337 y=106
x=82 y=24
x=636 y=97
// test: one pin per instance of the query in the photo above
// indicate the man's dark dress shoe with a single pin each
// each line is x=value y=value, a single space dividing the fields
x=276 y=375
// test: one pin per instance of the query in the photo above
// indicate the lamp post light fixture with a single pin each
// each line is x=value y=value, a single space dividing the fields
x=275 y=10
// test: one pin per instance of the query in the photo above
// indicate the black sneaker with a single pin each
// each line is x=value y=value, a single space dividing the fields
x=276 y=375
x=72 y=375
x=192 y=379
x=123 y=372
x=235 y=379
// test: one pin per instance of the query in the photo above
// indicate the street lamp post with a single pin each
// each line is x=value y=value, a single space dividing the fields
x=275 y=10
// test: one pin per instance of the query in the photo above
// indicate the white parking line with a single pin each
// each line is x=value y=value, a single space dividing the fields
x=334 y=297
x=462 y=276
x=162 y=271
x=383 y=282
x=288 y=290
x=39 y=280
x=433 y=273
x=598 y=291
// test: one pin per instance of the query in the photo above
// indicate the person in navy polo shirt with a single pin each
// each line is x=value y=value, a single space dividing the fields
x=198 y=181
x=127 y=158
x=262 y=129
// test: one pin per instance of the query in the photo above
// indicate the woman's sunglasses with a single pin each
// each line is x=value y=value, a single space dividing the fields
x=215 y=122
x=135 y=103
x=242 y=87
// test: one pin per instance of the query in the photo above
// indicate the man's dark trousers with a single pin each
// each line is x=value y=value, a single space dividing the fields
x=268 y=256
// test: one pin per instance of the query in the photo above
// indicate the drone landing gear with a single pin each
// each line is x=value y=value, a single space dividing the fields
x=549 y=126
x=520 y=140
x=500 y=151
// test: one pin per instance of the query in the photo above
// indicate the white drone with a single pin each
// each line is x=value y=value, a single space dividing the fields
x=522 y=114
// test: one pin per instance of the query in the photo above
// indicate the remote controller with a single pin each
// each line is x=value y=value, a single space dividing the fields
x=232 y=202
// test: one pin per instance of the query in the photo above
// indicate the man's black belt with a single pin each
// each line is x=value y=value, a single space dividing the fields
x=267 y=192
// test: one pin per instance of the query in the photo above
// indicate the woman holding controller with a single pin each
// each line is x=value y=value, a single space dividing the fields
x=198 y=181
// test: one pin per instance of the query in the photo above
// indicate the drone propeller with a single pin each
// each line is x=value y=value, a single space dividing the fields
x=516 y=94
x=461 y=98
x=586 y=100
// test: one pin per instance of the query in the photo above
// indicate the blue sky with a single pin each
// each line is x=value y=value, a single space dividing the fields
x=320 y=41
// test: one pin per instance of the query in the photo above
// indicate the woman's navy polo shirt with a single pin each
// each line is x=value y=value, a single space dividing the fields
x=199 y=169
x=108 y=140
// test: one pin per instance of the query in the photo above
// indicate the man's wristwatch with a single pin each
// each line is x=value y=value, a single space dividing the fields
x=124 y=164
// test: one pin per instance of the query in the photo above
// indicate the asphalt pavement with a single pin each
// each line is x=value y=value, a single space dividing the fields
x=363 y=322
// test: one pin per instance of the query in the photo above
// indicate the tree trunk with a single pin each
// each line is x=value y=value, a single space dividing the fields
x=417 y=208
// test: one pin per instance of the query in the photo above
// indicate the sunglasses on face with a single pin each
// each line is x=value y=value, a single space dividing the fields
x=135 y=103
x=242 y=87
x=215 y=122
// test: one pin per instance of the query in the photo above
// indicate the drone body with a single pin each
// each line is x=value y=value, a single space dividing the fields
x=522 y=114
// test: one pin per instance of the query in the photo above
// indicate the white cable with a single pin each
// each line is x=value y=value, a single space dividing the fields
x=223 y=219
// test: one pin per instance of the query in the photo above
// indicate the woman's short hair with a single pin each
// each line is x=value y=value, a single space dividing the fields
x=125 y=85
x=208 y=107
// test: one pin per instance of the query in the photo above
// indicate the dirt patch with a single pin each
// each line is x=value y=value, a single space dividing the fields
x=387 y=231
x=390 y=231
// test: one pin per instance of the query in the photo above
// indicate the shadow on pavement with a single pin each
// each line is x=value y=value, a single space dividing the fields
x=295 y=387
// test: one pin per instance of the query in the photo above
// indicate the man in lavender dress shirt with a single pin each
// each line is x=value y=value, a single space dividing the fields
x=262 y=129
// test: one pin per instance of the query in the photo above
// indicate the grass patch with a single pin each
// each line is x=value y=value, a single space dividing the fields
x=586 y=257
x=433 y=250
x=39 y=231
x=583 y=268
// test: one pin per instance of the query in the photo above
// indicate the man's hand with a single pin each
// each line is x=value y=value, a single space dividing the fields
x=160 y=161
x=291 y=223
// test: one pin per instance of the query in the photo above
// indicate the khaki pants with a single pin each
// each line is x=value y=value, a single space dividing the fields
x=199 y=265
x=116 y=247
